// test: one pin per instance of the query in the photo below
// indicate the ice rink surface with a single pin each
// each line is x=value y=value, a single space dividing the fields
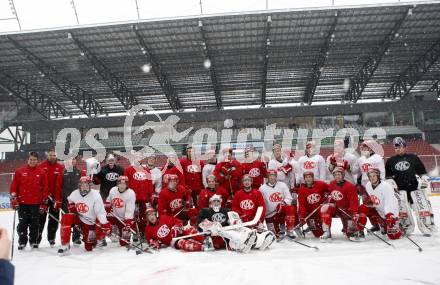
x=337 y=262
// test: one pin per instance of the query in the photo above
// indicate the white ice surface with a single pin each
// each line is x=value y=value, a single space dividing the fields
x=338 y=262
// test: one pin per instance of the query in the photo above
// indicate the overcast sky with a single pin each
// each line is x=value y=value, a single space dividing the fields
x=38 y=14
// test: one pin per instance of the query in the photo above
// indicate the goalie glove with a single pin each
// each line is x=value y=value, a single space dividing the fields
x=424 y=182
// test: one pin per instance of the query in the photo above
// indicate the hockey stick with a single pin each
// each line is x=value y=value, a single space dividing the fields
x=13 y=235
x=411 y=240
x=298 y=242
x=368 y=230
x=312 y=213
x=227 y=228
x=118 y=236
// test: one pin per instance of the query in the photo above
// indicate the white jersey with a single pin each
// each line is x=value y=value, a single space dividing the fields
x=289 y=178
x=275 y=195
x=383 y=199
x=156 y=176
x=351 y=159
x=123 y=204
x=363 y=164
x=208 y=169
x=315 y=163
x=89 y=207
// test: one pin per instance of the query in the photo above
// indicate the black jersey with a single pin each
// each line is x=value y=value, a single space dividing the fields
x=403 y=169
x=209 y=214
x=108 y=178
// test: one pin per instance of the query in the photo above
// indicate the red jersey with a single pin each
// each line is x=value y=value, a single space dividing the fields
x=344 y=196
x=246 y=204
x=229 y=175
x=140 y=181
x=257 y=170
x=171 y=203
x=166 y=172
x=161 y=231
x=207 y=193
x=311 y=198
x=193 y=174
x=54 y=173
x=29 y=185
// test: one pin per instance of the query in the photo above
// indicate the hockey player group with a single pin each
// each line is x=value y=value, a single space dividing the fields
x=209 y=205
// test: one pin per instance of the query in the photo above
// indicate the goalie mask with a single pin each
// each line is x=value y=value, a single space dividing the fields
x=84 y=185
x=215 y=202
x=122 y=184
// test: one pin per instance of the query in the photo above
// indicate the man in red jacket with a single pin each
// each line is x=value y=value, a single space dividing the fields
x=54 y=173
x=254 y=167
x=29 y=196
x=140 y=181
x=192 y=171
x=229 y=172
x=343 y=204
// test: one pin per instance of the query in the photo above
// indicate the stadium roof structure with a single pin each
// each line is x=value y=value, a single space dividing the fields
x=265 y=58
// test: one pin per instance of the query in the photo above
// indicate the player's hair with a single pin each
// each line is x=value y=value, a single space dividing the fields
x=33 y=153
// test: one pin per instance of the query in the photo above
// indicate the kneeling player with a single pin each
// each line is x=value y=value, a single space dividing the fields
x=161 y=230
x=343 y=204
x=242 y=239
x=120 y=206
x=380 y=205
x=280 y=213
x=311 y=195
x=86 y=210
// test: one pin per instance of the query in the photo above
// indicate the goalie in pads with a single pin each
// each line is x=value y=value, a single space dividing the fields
x=242 y=239
x=408 y=175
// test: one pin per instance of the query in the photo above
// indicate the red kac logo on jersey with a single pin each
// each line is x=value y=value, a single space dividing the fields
x=276 y=197
x=309 y=165
x=313 y=198
x=365 y=167
x=337 y=195
x=163 y=231
x=254 y=172
x=247 y=204
x=81 y=208
x=140 y=175
x=112 y=176
x=118 y=203
x=192 y=168
x=176 y=204
x=375 y=200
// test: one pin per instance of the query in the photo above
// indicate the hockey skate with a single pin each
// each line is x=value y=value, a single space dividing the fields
x=101 y=243
x=207 y=244
x=357 y=236
x=64 y=250
x=21 y=246
x=326 y=236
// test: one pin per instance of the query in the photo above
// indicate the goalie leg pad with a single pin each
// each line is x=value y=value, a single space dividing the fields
x=405 y=216
x=264 y=240
x=241 y=239
x=424 y=214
